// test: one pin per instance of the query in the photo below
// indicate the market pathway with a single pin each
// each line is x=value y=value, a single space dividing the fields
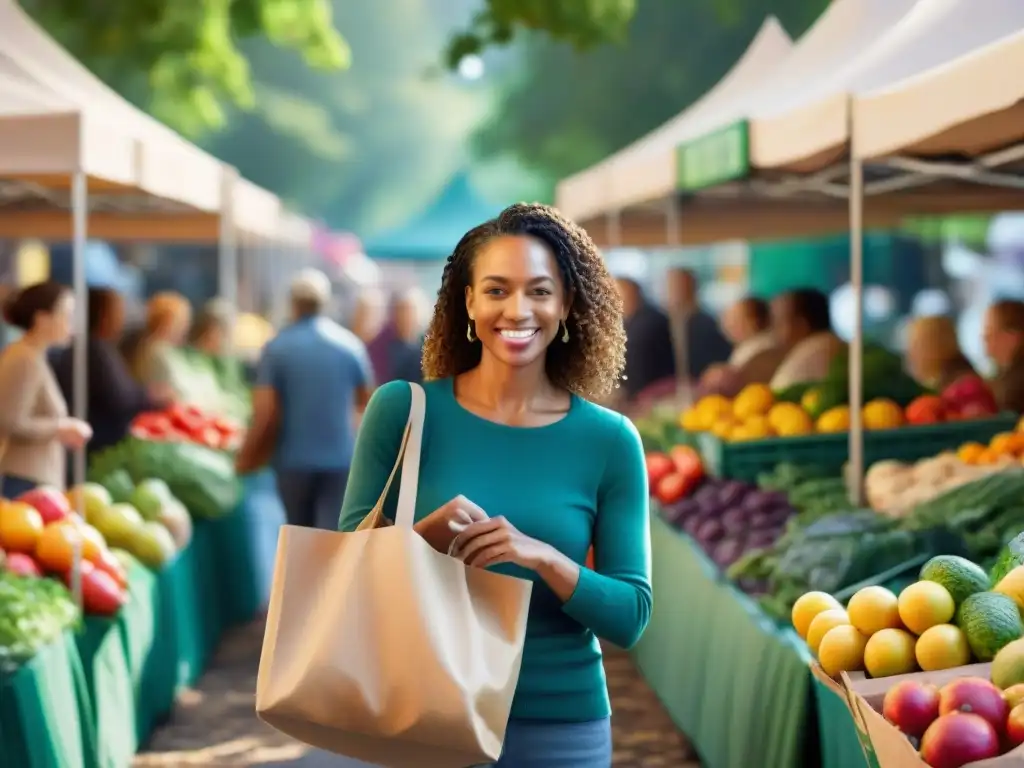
x=214 y=724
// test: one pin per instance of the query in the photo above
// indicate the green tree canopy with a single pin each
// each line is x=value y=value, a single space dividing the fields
x=562 y=110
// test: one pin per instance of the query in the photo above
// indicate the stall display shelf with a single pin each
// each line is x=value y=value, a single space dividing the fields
x=91 y=699
x=745 y=460
x=735 y=682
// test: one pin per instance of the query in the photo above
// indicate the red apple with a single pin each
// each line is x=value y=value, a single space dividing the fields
x=911 y=706
x=975 y=695
x=659 y=465
x=957 y=739
x=22 y=564
x=1015 y=726
x=51 y=504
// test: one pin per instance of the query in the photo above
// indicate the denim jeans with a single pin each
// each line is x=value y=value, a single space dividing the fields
x=12 y=487
x=537 y=744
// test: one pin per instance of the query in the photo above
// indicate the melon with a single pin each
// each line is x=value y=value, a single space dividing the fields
x=959 y=576
x=990 y=621
x=1008 y=665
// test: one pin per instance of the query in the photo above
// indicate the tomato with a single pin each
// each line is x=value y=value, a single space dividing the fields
x=108 y=562
x=688 y=461
x=658 y=466
x=101 y=594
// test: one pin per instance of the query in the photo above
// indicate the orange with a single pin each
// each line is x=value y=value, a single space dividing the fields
x=20 y=526
x=873 y=609
x=1004 y=443
x=882 y=414
x=890 y=652
x=822 y=623
x=968 y=453
x=986 y=457
x=55 y=548
x=842 y=650
x=808 y=606
x=925 y=604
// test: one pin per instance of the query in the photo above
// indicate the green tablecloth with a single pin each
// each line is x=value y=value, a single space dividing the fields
x=90 y=700
x=736 y=684
x=45 y=712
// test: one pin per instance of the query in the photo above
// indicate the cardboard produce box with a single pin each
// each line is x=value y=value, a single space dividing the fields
x=883 y=744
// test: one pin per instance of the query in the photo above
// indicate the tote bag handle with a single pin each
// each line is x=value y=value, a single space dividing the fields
x=409 y=460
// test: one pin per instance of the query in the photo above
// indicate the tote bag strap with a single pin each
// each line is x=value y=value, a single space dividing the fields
x=409 y=460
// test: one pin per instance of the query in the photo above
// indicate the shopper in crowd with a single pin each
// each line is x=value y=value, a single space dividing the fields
x=802 y=325
x=526 y=333
x=405 y=354
x=933 y=355
x=35 y=428
x=211 y=338
x=649 y=356
x=370 y=325
x=312 y=378
x=168 y=318
x=1004 y=344
x=755 y=353
x=115 y=398
x=697 y=340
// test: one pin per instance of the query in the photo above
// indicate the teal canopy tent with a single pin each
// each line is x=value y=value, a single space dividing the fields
x=434 y=232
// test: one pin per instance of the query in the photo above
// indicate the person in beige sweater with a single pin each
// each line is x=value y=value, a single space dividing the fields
x=35 y=428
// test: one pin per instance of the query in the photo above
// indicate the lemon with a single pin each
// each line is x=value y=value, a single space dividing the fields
x=712 y=408
x=690 y=420
x=890 y=652
x=789 y=420
x=842 y=650
x=822 y=623
x=808 y=606
x=943 y=646
x=834 y=420
x=753 y=400
x=925 y=604
x=873 y=609
x=882 y=414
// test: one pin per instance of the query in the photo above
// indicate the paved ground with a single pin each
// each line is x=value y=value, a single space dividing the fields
x=214 y=725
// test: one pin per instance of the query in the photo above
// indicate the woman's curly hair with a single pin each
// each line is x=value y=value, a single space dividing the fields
x=591 y=363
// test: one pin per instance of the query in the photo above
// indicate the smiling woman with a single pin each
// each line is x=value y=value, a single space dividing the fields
x=520 y=473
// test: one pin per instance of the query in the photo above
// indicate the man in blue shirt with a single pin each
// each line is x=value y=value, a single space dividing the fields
x=312 y=378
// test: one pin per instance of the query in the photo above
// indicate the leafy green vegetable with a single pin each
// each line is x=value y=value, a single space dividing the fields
x=33 y=613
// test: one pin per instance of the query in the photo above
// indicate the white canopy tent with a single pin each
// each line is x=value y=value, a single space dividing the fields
x=840 y=35
x=810 y=129
x=645 y=170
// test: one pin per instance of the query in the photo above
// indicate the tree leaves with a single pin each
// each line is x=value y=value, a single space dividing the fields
x=189 y=51
x=583 y=24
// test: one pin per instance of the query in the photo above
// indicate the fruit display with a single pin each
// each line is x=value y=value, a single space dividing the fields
x=958 y=721
x=728 y=518
x=201 y=478
x=674 y=475
x=40 y=532
x=187 y=423
x=950 y=617
x=33 y=612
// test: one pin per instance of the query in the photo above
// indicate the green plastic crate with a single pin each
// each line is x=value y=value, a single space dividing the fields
x=746 y=460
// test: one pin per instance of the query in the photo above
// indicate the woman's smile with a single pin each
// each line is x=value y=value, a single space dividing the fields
x=518 y=338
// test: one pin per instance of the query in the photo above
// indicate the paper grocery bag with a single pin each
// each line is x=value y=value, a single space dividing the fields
x=380 y=648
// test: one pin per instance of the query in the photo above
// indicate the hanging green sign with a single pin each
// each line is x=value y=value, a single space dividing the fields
x=714 y=158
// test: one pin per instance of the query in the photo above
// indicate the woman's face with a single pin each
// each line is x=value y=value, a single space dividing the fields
x=516 y=299
x=56 y=325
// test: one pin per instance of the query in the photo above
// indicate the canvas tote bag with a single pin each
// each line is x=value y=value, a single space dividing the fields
x=380 y=648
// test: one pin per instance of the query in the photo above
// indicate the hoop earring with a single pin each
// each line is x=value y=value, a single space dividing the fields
x=565 y=333
x=470 y=337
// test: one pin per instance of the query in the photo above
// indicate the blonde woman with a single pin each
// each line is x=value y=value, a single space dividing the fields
x=168 y=318
x=933 y=355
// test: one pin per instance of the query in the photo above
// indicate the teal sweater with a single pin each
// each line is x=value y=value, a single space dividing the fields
x=577 y=482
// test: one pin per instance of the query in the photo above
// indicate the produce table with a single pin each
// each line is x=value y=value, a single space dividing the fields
x=733 y=681
x=90 y=700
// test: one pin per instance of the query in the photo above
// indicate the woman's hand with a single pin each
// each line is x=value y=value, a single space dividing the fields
x=441 y=526
x=495 y=541
x=73 y=433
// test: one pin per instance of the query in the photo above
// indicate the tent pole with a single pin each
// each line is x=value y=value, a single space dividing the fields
x=856 y=200
x=79 y=355
x=227 y=261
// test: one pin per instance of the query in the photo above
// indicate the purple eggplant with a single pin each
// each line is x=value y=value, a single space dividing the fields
x=710 y=531
x=732 y=493
x=727 y=552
